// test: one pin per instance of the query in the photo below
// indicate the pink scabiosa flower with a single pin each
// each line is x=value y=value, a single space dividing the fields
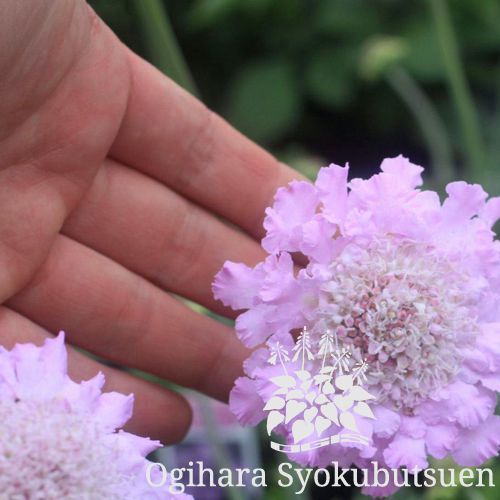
x=59 y=439
x=408 y=285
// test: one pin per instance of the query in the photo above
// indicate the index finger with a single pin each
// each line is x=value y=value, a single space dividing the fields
x=173 y=137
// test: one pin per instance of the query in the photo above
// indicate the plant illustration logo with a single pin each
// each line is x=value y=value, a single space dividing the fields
x=321 y=406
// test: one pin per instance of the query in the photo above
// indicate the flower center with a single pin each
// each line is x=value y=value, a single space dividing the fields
x=47 y=452
x=402 y=308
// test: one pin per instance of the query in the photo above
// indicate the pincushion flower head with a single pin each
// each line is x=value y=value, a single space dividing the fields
x=58 y=438
x=408 y=287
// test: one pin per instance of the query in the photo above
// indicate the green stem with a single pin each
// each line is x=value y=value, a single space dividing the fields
x=429 y=121
x=493 y=150
x=161 y=43
x=458 y=86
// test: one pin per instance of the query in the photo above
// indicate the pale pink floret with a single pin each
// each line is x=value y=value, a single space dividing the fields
x=407 y=282
x=60 y=439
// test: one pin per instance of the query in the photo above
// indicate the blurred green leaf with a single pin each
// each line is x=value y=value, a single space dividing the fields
x=206 y=13
x=492 y=493
x=263 y=100
x=478 y=23
x=329 y=76
x=423 y=60
x=351 y=18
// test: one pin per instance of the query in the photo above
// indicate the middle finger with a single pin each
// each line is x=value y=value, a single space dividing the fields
x=155 y=232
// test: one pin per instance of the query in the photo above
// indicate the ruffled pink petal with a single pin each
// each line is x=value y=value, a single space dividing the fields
x=403 y=170
x=491 y=381
x=113 y=410
x=252 y=327
x=462 y=403
x=491 y=212
x=433 y=412
x=84 y=397
x=441 y=439
x=386 y=421
x=322 y=457
x=293 y=206
x=483 y=359
x=245 y=402
x=255 y=361
x=470 y=405
x=413 y=427
x=427 y=205
x=359 y=223
x=368 y=451
x=463 y=202
x=365 y=428
x=488 y=342
x=53 y=353
x=332 y=188
x=7 y=372
x=237 y=285
x=40 y=372
x=391 y=203
x=318 y=241
x=131 y=450
x=404 y=451
x=476 y=360
x=392 y=188
x=475 y=446
x=138 y=445
x=279 y=280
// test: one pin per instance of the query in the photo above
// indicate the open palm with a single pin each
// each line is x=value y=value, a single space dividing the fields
x=117 y=190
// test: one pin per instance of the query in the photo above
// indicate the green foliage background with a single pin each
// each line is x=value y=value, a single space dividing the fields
x=320 y=81
x=315 y=78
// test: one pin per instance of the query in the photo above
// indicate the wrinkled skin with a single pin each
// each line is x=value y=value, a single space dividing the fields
x=117 y=189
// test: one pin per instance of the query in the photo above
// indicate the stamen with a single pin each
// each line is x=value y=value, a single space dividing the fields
x=399 y=306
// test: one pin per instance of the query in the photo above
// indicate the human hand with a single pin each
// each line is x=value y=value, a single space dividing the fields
x=117 y=189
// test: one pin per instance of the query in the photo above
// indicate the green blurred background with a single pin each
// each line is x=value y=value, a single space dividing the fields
x=320 y=81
